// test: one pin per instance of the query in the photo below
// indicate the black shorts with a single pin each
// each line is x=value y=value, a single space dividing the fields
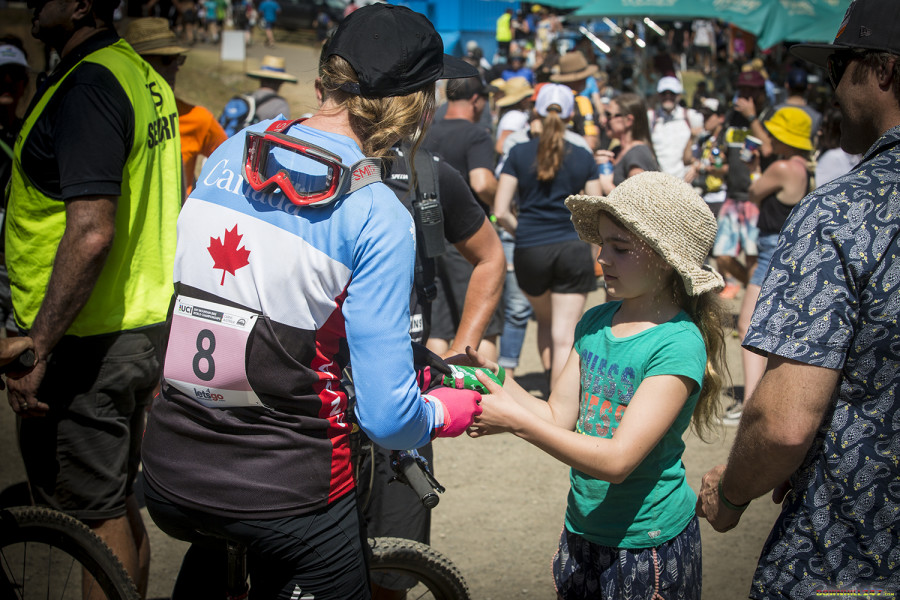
x=452 y=282
x=322 y=554
x=82 y=457
x=563 y=268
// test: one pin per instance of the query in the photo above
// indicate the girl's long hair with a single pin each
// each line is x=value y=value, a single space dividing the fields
x=709 y=315
x=377 y=122
x=551 y=146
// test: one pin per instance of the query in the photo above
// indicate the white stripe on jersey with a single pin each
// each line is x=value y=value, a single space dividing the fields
x=286 y=278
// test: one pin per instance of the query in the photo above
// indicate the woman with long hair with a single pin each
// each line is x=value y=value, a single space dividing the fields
x=554 y=268
x=626 y=122
x=776 y=191
x=286 y=248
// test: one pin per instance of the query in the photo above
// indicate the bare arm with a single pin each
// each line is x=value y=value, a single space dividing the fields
x=85 y=244
x=484 y=184
x=506 y=191
x=770 y=182
x=777 y=428
x=485 y=253
x=650 y=414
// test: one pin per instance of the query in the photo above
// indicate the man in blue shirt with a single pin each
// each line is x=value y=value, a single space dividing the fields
x=822 y=427
x=269 y=9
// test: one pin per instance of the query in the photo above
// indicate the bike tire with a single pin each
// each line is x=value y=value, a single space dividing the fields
x=42 y=552
x=437 y=576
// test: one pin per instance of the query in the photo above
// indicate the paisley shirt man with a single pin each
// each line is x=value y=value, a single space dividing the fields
x=831 y=299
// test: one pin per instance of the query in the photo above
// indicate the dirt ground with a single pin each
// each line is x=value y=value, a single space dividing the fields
x=502 y=514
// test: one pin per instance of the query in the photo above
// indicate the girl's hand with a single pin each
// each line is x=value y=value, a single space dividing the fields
x=499 y=410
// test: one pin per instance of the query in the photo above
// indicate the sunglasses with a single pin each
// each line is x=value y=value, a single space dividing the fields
x=308 y=175
x=168 y=59
x=610 y=117
x=837 y=64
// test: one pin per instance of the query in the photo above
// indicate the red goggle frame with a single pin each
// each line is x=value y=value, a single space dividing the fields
x=337 y=180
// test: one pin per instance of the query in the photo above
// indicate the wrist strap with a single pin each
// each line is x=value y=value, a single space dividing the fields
x=735 y=507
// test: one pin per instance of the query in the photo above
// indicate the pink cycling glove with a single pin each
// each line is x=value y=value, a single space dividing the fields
x=454 y=410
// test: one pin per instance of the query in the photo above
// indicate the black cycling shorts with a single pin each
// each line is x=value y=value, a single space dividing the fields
x=318 y=554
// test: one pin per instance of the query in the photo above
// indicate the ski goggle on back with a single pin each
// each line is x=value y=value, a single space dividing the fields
x=307 y=174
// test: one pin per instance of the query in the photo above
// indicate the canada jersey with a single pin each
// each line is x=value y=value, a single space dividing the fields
x=271 y=303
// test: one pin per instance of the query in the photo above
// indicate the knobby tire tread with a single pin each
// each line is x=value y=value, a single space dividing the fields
x=53 y=528
x=422 y=562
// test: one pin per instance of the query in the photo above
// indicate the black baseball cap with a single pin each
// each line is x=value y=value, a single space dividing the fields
x=867 y=24
x=394 y=51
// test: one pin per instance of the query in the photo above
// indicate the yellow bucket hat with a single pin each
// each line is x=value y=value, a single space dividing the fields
x=792 y=126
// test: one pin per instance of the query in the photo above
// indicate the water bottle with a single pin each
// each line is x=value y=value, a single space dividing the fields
x=605 y=168
x=717 y=157
x=463 y=378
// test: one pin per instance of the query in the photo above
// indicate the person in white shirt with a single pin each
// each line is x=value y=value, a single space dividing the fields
x=672 y=127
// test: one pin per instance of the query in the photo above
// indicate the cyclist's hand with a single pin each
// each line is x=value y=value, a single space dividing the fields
x=429 y=367
x=22 y=394
x=454 y=410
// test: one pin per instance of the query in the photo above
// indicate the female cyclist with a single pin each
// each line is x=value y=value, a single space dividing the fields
x=293 y=260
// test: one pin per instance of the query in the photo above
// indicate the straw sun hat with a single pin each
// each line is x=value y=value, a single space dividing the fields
x=573 y=66
x=515 y=90
x=152 y=35
x=667 y=214
x=272 y=67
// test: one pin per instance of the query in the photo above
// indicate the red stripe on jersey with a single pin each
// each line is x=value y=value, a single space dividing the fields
x=334 y=399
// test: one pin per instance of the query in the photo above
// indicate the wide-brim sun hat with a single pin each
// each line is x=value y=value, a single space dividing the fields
x=792 y=126
x=666 y=213
x=867 y=24
x=153 y=36
x=515 y=89
x=573 y=66
x=272 y=67
x=394 y=51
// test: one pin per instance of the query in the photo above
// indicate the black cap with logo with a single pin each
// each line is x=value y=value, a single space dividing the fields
x=394 y=51
x=867 y=24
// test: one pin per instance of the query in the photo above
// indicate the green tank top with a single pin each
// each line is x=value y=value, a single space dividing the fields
x=135 y=285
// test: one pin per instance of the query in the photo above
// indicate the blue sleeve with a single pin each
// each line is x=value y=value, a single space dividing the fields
x=389 y=407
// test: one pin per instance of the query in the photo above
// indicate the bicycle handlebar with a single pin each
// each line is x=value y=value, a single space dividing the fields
x=418 y=478
x=23 y=362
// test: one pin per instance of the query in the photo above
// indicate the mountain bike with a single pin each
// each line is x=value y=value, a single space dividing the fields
x=47 y=554
x=430 y=574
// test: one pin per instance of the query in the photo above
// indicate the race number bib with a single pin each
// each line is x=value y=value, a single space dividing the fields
x=207 y=350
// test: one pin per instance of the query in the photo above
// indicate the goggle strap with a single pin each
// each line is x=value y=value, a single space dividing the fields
x=364 y=172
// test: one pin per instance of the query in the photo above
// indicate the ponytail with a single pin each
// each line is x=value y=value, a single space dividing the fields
x=550 y=146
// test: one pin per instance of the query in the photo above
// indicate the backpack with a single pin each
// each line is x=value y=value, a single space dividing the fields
x=240 y=112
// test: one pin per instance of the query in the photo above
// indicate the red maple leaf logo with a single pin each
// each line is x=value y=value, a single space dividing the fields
x=227 y=255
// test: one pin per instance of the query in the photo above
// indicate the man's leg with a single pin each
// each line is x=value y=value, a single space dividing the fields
x=117 y=534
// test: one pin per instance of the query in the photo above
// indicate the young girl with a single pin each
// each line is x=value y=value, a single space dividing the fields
x=641 y=367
